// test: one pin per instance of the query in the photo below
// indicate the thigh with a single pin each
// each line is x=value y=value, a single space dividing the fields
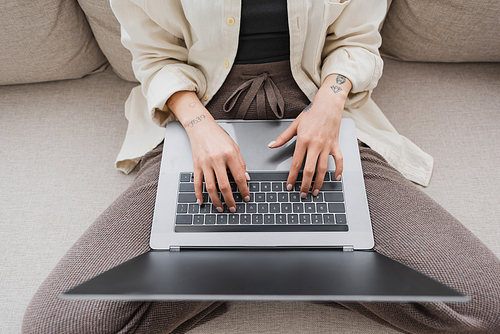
x=119 y=234
x=411 y=228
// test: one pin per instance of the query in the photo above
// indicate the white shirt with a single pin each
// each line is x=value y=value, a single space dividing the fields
x=191 y=45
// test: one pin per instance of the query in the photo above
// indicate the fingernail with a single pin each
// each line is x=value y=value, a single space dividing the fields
x=338 y=178
x=271 y=144
x=303 y=195
x=232 y=209
x=198 y=201
x=315 y=192
x=247 y=198
x=247 y=176
x=289 y=187
x=220 y=209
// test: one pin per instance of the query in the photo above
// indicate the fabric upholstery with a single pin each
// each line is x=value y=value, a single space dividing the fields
x=106 y=30
x=442 y=31
x=45 y=40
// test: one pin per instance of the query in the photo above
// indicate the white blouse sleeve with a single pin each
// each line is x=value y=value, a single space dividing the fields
x=159 y=58
x=352 y=42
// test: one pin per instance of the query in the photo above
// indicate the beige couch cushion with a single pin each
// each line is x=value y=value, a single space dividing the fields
x=443 y=31
x=45 y=40
x=106 y=29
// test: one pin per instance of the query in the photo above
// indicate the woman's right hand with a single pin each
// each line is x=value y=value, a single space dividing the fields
x=214 y=152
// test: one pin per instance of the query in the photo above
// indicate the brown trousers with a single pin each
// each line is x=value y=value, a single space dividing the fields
x=408 y=227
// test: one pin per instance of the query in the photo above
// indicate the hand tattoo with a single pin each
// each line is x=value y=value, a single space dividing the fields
x=195 y=121
x=308 y=107
x=336 y=89
x=340 y=79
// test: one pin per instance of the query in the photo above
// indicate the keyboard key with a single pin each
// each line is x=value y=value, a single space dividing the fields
x=263 y=208
x=277 y=186
x=253 y=187
x=310 y=207
x=294 y=197
x=321 y=208
x=186 y=187
x=265 y=186
x=186 y=198
x=245 y=219
x=183 y=219
x=182 y=208
x=234 y=187
x=268 y=176
x=251 y=208
x=308 y=198
x=328 y=219
x=198 y=219
x=237 y=197
x=260 y=197
x=185 y=177
x=286 y=207
x=257 y=219
x=336 y=207
x=317 y=219
x=234 y=219
x=274 y=208
x=304 y=219
x=280 y=218
x=336 y=196
x=205 y=208
x=240 y=207
x=292 y=218
x=194 y=208
x=297 y=186
x=271 y=197
x=332 y=186
x=268 y=219
x=298 y=208
x=340 y=219
x=222 y=219
x=318 y=198
x=282 y=197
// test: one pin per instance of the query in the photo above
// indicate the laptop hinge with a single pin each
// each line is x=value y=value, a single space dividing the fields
x=348 y=248
x=174 y=248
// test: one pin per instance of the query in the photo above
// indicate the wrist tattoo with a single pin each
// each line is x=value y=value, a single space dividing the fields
x=340 y=79
x=308 y=107
x=336 y=89
x=195 y=121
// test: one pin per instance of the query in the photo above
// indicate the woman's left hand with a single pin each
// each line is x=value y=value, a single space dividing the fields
x=317 y=130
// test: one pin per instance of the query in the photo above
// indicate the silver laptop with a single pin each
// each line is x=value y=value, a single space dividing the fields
x=278 y=246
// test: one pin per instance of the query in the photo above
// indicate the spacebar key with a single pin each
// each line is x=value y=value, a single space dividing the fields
x=260 y=228
x=268 y=176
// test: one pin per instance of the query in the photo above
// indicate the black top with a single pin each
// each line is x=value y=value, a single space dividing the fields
x=264 y=35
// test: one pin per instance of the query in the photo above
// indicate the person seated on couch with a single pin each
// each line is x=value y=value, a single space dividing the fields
x=321 y=60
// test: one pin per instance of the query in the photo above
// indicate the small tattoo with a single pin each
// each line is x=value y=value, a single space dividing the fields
x=308 y=107
x=340 y=79
x=192 y=104
x=195 y=121
x=336 y=89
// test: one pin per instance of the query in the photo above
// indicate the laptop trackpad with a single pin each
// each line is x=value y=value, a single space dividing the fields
x=326 y=275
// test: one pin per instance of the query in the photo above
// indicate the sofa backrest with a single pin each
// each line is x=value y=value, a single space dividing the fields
x=45 y=40
x=442 y=30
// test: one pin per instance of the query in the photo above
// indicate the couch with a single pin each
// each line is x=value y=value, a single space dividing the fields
x=65 y=76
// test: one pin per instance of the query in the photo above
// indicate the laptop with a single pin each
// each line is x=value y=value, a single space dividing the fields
x=277 y=246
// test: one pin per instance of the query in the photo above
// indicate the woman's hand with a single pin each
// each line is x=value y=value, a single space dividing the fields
x=214 y=151
x=317 y=130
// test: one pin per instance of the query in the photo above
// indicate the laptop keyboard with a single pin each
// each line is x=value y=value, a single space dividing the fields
x=271 y=207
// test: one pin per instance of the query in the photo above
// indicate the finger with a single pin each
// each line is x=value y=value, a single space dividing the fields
x=212 y=189
x=339 y=161
x=297 y=159
x=308 y=172
x=225 y=188
x=285 y=136
x=198 y=184
x=239 y=171
x=321 y=169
